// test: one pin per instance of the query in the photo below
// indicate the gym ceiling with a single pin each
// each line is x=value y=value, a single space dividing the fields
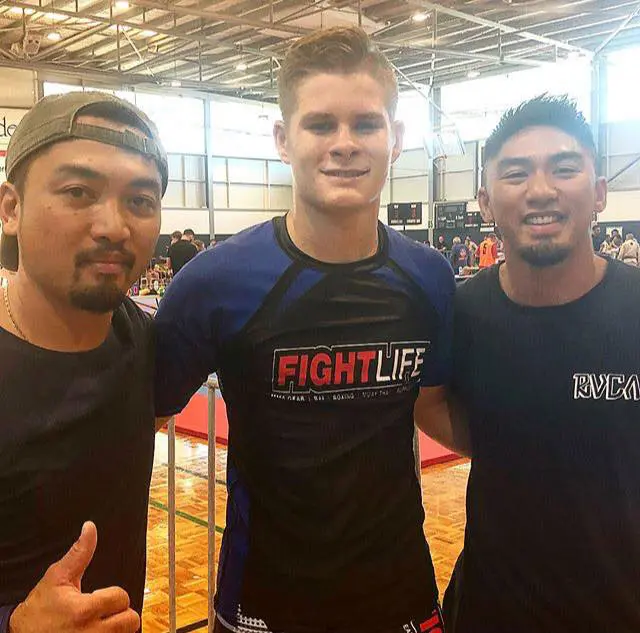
x=233 y=47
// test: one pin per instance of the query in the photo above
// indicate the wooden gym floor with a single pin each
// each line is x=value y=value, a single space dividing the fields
x=444 y=489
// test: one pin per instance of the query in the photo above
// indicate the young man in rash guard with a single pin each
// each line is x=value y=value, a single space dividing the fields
x=545 y=359
x=326 y=329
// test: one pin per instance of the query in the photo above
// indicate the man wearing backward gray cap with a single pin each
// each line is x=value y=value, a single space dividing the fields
x=80 y=218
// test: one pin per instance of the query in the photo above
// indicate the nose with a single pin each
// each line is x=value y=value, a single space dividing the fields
x=344 y=144
x=110 y=222
x=540 y=191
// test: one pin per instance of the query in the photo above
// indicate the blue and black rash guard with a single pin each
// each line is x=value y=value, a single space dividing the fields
x=320 y=366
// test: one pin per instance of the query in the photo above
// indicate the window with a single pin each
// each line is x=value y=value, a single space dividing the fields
x=623 y=91
x=476 y=106
x=243 y=128
x=180 y=120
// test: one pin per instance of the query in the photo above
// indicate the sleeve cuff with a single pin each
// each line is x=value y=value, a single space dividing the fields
x=5 y=614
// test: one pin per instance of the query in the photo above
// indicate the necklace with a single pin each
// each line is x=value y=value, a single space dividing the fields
x=13 y=321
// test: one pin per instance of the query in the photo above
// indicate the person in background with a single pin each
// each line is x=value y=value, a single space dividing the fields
x=597 y=238
x=488 y=251
x=616 y=244
x=176 y=236
x=615 y=233
x=605 y=247
x=629 y=252
x=182 y=251
x=212 y=244
x=199 y=244
x=441 y=245
x=472 y=249
x=459 y=255
x=86 y=170
x=301 y=317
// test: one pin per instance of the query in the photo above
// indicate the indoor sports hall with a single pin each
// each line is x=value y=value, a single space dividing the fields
x=205 y=71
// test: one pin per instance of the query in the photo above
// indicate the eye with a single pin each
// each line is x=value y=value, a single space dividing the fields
x=368 y=126
x=143 y=205
x=321 y=127
x=79 y=194
x=515 y=174
x=566 y=170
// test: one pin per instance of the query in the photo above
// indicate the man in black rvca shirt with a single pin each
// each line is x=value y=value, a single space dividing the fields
x=546 y=360
x=86 y=173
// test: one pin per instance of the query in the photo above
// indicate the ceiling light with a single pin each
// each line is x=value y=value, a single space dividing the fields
x=420 y=17
x=473 y=74
x=55 y=16
x=123 y=27
x=54 y=36
x=241 y=66
x=148 y=33
x=121 y=4
x=19 y=11
x=176 y=84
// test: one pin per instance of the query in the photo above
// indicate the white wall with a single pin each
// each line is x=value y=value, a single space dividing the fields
x=181 y=219
x=230 y=222
x=18 y=88
x=622 y=206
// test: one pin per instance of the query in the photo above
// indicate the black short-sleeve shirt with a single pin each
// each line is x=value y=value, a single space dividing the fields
x=553 y=507
x=76 y=444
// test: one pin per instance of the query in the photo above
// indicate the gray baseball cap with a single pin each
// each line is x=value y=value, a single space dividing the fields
x=54 y=119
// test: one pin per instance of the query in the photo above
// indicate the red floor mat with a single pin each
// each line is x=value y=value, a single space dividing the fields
x=193 y=421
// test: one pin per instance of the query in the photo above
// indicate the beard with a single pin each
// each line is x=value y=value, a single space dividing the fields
x=106 y=295
x=97 y=299
x=544 y=254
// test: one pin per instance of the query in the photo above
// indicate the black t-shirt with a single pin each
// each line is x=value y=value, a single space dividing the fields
x=553 y=505
x=597 y=240
x=76 y=444
x=320 y=366
x=180 y=254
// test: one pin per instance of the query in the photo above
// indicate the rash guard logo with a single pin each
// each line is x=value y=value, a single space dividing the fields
x=347 y=368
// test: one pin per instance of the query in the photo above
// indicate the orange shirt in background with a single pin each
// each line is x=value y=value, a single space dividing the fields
x=488 y=253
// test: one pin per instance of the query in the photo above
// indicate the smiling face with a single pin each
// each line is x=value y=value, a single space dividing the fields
x=87 y=220
x=542 y=192
x=339 y=142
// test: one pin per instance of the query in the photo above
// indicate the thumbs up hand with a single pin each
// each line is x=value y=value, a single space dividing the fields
x=57 y=604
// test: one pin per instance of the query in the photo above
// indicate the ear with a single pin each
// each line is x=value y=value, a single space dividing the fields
x=10 y=208
x=601 y=195
x=397 y=129
x=280 y=137
x=485 y=205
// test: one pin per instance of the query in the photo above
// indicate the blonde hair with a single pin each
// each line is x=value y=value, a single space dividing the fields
x=338 y=50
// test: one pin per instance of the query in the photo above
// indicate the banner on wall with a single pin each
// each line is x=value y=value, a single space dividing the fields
x=9 y=119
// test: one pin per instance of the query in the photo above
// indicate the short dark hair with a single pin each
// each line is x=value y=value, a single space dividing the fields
x=188 y=232
x=176 y=235
x=544 y=110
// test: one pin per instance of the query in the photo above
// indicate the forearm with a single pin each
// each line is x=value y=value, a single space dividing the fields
x=160 y=422
x=444 y=420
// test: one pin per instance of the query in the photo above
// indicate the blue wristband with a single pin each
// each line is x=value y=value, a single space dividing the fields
x=5 y=614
